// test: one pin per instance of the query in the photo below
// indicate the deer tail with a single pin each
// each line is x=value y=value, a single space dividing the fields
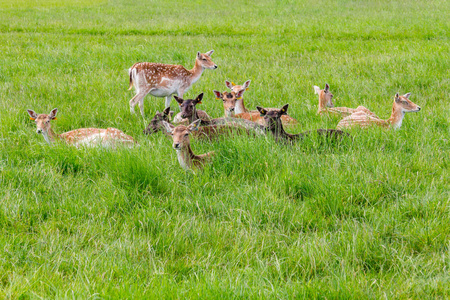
x=130 y=72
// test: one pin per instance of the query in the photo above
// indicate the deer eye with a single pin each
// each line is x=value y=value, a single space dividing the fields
x=204 y=59
x=186 y=135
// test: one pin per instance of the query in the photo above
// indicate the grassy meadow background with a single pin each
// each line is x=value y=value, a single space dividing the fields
x=362 y=219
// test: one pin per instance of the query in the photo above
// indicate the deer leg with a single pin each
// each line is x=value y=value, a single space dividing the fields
x=138 y=98
x=168 y=99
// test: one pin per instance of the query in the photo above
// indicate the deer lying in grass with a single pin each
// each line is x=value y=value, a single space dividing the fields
x=180 y=119
x=163 y=80
x=326 y=104
x=110 y=137
x=209 y=132
x=240 y=110
x=189 y=111
x=186 y=157
x=272 y=118
x=401 y=105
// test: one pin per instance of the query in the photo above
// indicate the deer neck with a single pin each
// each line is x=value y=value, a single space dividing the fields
x=186 y=157
x=196 y=72
x=240 y=107
x=396 y=118
x=50 y=136
x=278 y=130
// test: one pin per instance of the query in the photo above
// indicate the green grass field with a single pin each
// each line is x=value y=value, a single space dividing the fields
x=362 y=219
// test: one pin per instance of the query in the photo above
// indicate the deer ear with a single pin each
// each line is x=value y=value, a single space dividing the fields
x=228 y=84
x=261 y=110
x=194 y=125
x=217 y=94
x=199 y=55
x=178 y=99
x=210 y=52
x=407 y=95
x=246 y=84
x=240 y=94
x=169 y=127
x=166 y=111
x=32 y=114
x=53 y=113
x=316 y=89
x=327 y=87
x=397 y=98
x=284 y=109
x=199 y=98
x=171 y=114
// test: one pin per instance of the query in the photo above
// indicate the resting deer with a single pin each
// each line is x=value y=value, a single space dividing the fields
x=272 y=118
x=79 y=137
x=186 y=157
x=162 y=80
x=326 y=104
x=401 y=105
x=189 y=111
x=241 y=111
x=207 y=132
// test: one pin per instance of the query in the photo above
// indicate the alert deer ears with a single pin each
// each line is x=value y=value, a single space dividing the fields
x=240 y=94
x=246 y=84
x=199 y=55
x=229 y=84
x=169 y=127
x=217 y=94
x=194 y=125
x=178 y=99
x=284 y=109
x=210 y=52
x=53 y=113
x=316 y=89
x=262 y=110
x=407 y=95
x=32 y=114
x=198 y=99
x=397 y=98
x=327 y=88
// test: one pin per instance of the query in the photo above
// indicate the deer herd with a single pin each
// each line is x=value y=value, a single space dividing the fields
x=163 y=80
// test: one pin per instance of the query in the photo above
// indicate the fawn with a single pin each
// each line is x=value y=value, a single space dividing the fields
x=272 y=118
x=186 y=157
x=401 y=105
x=326 y=104
x=79 y=137
x=163 y=80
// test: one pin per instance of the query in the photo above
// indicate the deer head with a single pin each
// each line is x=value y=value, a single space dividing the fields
x=273 y=117
x=325 y=96
x=229 y=100
x=180 y=134
x=405 y=105
x=187 y=107
x=204 y=59
x=155 y=124
x=235 y=87
x=42 y=120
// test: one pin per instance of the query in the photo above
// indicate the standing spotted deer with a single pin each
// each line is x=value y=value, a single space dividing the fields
x=241 y=111
x=186 y=157
x=401 y=105
x=110 y=137
x=163 y=80
x=326 y=104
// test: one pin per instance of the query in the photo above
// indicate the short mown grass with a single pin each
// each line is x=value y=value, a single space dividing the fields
x=364 y=218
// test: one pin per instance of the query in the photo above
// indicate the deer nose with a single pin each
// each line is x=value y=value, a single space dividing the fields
x=231 y=108
x=418 y=108
x=176 y=145
x=38 y=130
x=215 y=67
